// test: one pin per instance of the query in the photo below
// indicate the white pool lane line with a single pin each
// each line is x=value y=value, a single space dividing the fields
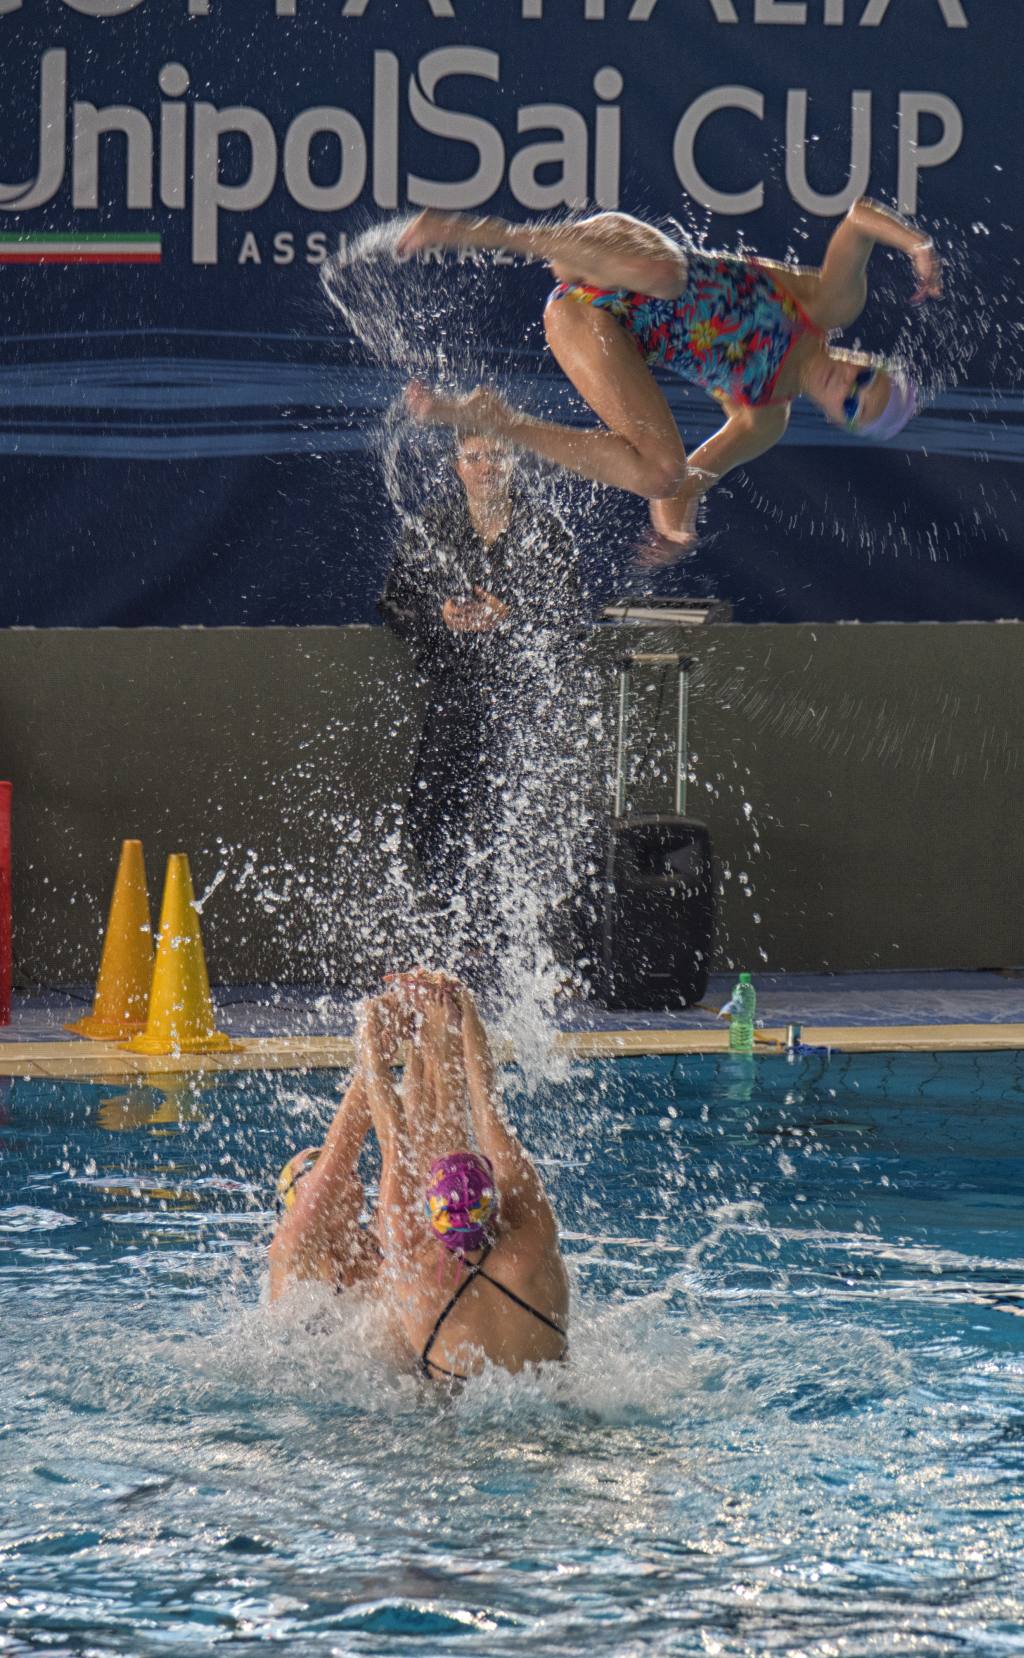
x=106 y=1062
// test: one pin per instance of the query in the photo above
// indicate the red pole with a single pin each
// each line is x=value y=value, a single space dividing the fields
x=5 y=903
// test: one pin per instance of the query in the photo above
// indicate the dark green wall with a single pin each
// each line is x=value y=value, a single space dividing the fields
x=867 y=781
x=884 y=768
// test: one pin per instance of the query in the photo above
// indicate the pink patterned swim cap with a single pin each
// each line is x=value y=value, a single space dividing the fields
x=462 y=1201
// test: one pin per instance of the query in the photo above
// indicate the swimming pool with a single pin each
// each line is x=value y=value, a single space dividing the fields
x=793 y=1423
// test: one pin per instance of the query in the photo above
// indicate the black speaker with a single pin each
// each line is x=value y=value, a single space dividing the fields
x=653 y=919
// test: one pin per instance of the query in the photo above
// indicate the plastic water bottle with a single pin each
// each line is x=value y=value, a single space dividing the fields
x=742 y=1007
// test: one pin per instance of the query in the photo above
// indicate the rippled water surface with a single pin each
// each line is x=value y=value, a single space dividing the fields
x=793 y=1422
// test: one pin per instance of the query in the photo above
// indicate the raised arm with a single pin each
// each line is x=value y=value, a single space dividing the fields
x=375 y=1045
x=314 y=1237
x=411 y=603
x=837 y=294
x=524 y=1202
x=872 y=222
x=746 y=434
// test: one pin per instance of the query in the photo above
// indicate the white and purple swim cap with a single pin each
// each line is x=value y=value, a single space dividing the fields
x=900 y=408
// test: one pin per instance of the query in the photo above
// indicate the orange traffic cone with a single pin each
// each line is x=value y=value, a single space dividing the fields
x=180 y=1009
x=126 y=966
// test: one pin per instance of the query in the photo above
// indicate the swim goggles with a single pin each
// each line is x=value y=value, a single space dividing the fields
x=851 y=405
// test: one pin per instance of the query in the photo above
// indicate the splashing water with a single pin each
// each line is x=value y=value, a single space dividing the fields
x=430 y=319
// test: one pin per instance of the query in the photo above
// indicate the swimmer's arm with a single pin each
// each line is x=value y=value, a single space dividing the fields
x=868 y=223
x=327 y=1199
x=409 y=604
x=746 y=434
x=523 y=1198
x=881 y=224
x=383 y=1100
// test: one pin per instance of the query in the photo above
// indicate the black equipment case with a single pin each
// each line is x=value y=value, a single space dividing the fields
x=653 y=921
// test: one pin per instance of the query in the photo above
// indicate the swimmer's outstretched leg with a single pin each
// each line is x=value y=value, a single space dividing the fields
x=608 y=250
x=640 y=448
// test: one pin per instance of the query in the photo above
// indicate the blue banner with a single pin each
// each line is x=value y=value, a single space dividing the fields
x=190 y=433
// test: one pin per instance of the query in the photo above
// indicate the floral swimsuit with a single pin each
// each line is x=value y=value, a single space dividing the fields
x=729 y=331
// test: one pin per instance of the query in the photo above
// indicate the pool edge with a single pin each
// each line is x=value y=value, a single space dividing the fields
x=106 y=1062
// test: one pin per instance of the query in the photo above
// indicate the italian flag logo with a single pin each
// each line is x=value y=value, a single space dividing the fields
x=53 y=248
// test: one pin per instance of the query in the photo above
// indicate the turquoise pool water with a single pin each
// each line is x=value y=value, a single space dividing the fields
x=793 y=1423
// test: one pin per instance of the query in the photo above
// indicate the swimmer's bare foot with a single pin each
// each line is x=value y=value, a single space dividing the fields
x=673 y=534
x=431 y=229
x=481 y=413
x=416 y=971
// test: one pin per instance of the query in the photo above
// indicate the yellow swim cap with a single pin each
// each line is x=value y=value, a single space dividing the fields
x=292 y=1173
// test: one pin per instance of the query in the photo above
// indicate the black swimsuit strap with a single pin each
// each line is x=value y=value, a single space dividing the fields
x=425 y=1360
x=428 y=1364
x=512 y=1296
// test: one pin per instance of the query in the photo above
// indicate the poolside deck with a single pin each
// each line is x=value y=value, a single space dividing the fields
x=295 y=1029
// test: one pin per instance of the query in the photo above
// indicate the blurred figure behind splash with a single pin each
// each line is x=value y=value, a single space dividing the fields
x=484 y=587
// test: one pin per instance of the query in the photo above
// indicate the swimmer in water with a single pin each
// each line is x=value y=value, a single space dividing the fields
x=463 y=1247
x=752 y=332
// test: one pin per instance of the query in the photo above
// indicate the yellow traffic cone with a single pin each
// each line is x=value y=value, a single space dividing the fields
x=180 y=1009
x=126 y=965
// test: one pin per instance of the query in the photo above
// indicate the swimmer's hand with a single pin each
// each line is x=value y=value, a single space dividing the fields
x=382 y=1025
x=419 y=986
x=414 y=980
x=928 y=270
x=481 y=614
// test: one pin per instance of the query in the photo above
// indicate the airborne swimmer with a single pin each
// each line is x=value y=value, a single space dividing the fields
x=752 y=332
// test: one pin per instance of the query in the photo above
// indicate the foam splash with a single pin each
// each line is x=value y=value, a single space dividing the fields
x=23 y=1217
